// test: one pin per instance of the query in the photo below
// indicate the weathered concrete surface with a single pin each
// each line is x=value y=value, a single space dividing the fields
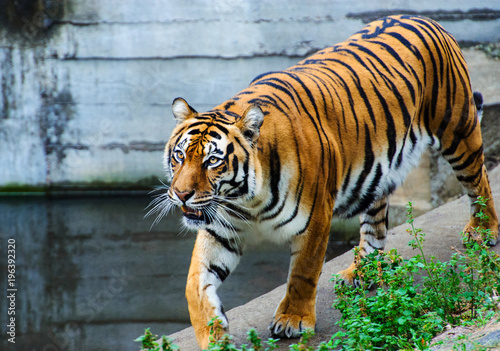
x=92 y=273
x=86 y=86
x=484 y=74
x=487 y=336
x=442 y=226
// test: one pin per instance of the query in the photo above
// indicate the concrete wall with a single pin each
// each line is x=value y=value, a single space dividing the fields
x=86 y=86
x=92 y=274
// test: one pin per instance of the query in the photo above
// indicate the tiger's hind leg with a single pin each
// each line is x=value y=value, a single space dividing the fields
x=463 y=149
x=373 y=232
x=482 y=189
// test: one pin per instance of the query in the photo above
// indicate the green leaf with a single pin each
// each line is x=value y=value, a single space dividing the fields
x=140 y=338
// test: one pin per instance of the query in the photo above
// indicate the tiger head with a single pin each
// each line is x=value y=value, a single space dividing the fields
x=210 y=161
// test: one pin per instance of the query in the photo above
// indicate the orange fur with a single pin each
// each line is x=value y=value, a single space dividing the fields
x=333 y=135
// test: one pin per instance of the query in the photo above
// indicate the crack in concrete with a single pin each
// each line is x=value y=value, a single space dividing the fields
x=484 y=14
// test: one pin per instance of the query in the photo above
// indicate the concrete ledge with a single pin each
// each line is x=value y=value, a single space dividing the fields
x=442 y=227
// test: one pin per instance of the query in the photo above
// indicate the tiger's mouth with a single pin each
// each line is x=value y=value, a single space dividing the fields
x=192 y=213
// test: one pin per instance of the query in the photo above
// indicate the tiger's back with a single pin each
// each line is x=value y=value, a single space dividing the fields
x=370 y=105
x=333 y=135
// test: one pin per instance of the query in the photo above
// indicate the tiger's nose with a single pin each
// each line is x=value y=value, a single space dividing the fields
x=184 y=195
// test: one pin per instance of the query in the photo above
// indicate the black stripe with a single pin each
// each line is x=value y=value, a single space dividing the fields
x=357 y=82
x=275 y=177
x=368 y=164
x=222 y=128
x=453 y=147
x=372 y=212
x=277 y=212
x=270 y=82
x=220 y=272
x=243 y=187
x=368 y=197
x=375 y=223
x=376 y=57
x=281 y=101
x=413 y=138
x=268 y=100
x=229 y=149
x=348 y=94
x=228 y=105
x=237 y=212
x=436 y=38
x=402 y=104
x=399 y=160
x=346 y=179
x=295 y=211
x=229 y=245
x=409 y=85
x=299 y=189
x=473 y=178
x=204 y=123
x=391 y=127
x=435 y=83
x=317 y=80
x=235 y=165
x=356 y=198
x=460 y=132
x=404 y=41
x=470 y=160
x=215 y=135
x=392 y=52
x=260 y=76
x=456 y=159
x=311 y=212
x=222 y=114
x=311 y=99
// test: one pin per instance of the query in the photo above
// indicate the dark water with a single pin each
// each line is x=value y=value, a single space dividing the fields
x=91 y=273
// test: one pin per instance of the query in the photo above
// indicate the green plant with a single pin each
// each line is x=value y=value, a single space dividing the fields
x=148 y=342
x=405 y=314
x=221 y=341
x=304 y=340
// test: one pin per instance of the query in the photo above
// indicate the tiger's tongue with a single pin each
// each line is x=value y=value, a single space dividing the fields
x=189 y=210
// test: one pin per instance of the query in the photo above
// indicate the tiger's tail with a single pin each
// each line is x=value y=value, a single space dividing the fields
x=478 y=101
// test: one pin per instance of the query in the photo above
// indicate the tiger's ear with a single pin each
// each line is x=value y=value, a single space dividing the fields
x=251 y=122
x=182 y=110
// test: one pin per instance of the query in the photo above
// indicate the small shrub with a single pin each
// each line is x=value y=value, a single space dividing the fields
x=148 y=342
x=403 y=314
x=220 y=341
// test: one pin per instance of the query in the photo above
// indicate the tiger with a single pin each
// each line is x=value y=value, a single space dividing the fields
x=332 y=136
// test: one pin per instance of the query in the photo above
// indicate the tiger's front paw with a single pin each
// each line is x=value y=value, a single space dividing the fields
x=291 y=326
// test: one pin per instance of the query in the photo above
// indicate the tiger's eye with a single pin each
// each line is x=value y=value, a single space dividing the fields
x=213 y=160
x=178 y=156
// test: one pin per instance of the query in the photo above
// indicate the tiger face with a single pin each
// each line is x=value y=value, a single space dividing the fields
x=210 y=160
